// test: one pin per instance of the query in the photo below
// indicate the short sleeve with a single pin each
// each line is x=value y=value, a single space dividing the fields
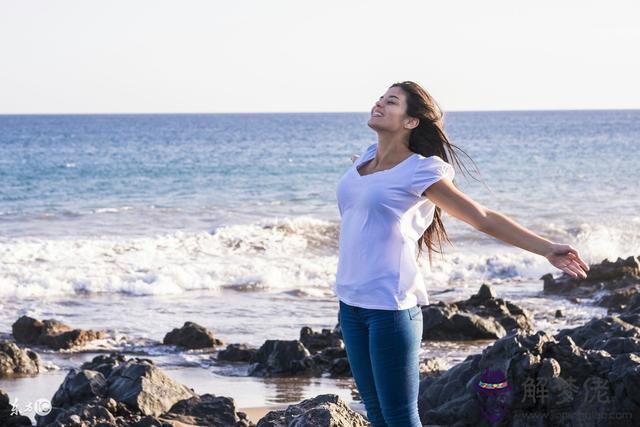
x=430 y=170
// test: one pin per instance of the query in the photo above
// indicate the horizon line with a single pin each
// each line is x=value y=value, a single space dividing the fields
x=302 y=112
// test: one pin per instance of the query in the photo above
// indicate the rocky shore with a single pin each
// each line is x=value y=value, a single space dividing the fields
x=587 y=375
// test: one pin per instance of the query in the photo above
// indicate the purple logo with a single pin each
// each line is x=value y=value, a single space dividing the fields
x=494 y=394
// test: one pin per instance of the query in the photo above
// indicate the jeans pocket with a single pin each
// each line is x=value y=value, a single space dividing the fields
x=415 y=312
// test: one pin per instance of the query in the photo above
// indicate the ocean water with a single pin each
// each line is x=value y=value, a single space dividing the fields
x=137 y=223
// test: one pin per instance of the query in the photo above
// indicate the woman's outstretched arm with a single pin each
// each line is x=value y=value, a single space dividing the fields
x=446 y=196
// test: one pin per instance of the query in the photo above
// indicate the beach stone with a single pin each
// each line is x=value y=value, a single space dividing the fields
x=482 y=316
x=237 y=353
x=9 y=416
x=325 y=410
x=281 y=357
x=79 y=386
x=143 y=386
x=207 y=410
x=191 y=336
x=51 y=333
x=15 y=360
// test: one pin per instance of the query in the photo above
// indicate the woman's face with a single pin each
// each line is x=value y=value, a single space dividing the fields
x=389 y=112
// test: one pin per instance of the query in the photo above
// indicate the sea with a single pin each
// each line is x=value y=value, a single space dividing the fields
x=134 y=224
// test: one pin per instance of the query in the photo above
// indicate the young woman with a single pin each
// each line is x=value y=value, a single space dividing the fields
x=390 y=201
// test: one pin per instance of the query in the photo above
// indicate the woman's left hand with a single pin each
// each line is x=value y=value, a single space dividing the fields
x=567 y=259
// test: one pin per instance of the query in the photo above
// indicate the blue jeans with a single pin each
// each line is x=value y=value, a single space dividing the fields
x=382 y=347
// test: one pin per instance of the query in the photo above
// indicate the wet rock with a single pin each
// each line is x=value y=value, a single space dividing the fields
x=482 y=316
x=559 y=314
x=15 y=360
x=51 y=333
x=191 y=336
x=237 y=353
x=281 y=357
x=207 y=410
x=9 y=416
x=326 y=410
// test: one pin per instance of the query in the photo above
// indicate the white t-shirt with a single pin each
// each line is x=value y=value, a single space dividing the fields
x=383 y=215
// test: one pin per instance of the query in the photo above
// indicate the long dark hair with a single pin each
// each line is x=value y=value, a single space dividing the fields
x=429 y=139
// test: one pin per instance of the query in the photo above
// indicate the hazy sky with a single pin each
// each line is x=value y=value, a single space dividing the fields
x=85 y=56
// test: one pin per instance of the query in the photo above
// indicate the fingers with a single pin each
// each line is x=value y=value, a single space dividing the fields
x=573 y=253
x=575 y=270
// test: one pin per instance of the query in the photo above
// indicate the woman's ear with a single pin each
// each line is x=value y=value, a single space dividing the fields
x=412 y=123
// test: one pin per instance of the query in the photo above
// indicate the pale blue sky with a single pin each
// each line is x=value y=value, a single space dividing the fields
x=112 y=56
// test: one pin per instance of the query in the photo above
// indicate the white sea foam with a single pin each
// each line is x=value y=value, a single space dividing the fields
x=298 y=256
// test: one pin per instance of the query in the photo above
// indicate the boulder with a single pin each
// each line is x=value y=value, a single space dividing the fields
x=237 y=353
x=191 y=336
x=51 y=333
x=15 y=360
x=482 y=316
x=144 y=387
x=80 y=386
x=207 y=410
x=325 y=410
x=281 y=357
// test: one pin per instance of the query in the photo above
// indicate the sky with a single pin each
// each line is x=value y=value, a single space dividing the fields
x=186 y=56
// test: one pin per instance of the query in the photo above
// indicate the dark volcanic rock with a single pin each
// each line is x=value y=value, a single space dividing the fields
x=145 y=388
x=326 y=410
x=51 y=333
x=237 y=353
x=80 y=386
x=619 y=282
x=105 y=364
x=192 y=336
x=482 y=316
x=281 y=357
x=15 y=360
x=207 y=410
x=549 y=377
x=315 y=342
x=135 y=393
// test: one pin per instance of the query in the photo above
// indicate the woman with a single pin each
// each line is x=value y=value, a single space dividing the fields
x=390 y=201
